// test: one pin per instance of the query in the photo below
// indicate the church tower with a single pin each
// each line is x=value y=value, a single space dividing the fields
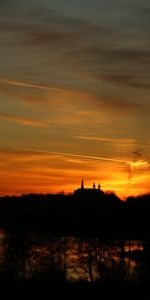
x=99 y=186
x=94 y=186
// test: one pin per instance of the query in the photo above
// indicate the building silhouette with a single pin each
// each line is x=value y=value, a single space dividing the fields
x=92 y=193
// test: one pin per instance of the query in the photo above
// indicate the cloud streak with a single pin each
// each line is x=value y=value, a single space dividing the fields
x=141 y=164
x=108 y=140
x=28 y=85
x=75 y=155
x=22 y=120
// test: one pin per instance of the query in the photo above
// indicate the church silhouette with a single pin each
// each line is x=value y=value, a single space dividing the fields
x=93 y=192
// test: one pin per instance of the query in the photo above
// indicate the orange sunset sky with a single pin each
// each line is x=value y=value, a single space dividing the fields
x=74 y=95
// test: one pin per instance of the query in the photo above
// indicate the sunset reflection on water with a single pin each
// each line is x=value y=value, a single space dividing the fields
x=68 y=258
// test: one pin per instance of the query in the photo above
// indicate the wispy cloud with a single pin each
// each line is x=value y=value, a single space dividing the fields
x=86 y=50
x=108 y=140
x=28 y=85
x=23 y=121
x=76 y=155
x=137 y=164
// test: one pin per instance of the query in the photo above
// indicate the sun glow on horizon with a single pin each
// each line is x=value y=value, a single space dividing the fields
x=38 y=171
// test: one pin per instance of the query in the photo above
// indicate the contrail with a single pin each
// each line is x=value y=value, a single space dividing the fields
x=76 y=155
x=30 y=85
x=137 y=163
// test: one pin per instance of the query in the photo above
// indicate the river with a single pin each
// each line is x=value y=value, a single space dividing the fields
x=46 y=257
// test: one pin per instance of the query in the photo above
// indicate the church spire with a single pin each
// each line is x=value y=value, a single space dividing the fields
x=82 y=184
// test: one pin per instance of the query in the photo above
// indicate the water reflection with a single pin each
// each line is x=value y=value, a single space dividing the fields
x=43 y=257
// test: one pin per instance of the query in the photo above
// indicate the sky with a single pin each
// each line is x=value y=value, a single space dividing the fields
x=74 y=95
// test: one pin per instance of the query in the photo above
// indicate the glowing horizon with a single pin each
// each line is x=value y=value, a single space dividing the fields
x=53 y=172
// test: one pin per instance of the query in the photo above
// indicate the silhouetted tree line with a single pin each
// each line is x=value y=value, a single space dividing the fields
x=106 y=215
